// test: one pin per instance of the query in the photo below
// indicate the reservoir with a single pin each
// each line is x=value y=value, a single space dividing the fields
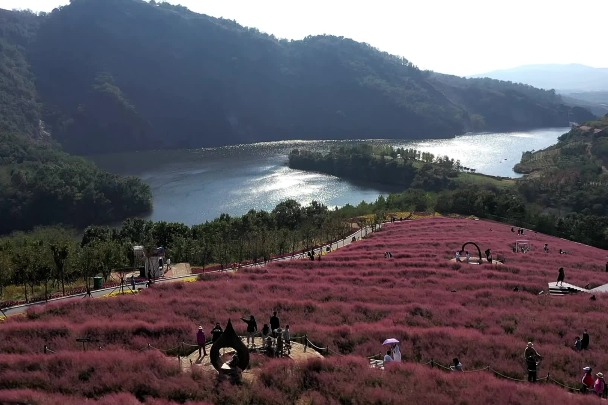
x=197 y=185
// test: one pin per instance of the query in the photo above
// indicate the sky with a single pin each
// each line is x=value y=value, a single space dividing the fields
x=461 y=37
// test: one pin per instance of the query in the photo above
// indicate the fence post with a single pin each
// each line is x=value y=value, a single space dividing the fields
x=432 y=364
x=305 y=343
x=180 y=350
x=45 y=349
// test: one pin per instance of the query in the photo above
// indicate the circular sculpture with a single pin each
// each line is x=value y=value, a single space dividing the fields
x=478 y=249
x=229 y=338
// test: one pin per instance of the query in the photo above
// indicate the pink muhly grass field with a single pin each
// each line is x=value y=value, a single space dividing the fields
x=349 y=301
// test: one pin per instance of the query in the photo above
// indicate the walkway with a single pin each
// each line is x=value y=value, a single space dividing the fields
x=178 y=272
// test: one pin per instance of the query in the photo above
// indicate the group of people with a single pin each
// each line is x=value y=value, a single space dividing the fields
x=589 y=383
x=311 y=255
x=388 y=255
x=582 y=344
x=274 y=338
x=201 y=339
x=520 y=231
x=393 y=354
x=459 y=256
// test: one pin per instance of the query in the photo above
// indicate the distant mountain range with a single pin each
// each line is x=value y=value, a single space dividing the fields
x=115 y=75
x=572 y=78
x=579 y=85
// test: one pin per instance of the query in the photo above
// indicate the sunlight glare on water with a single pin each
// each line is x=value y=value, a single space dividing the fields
x=193 y=186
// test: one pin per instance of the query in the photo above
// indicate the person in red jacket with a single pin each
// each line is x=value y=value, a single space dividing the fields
x=587 y=380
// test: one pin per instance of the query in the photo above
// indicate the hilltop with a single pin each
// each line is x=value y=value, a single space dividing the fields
x=119 y=75
x=349 y=301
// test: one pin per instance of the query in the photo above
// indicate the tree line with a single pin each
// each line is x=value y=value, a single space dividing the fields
x=407 y=168
x=46 y=259
x=41 y=185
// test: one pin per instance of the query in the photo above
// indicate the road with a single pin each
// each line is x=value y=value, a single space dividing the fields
x=19 y=309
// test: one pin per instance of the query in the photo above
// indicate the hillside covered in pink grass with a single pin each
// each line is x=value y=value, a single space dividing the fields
x=349 y=301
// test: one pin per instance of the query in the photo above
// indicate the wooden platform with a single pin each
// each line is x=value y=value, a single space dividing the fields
x=567 y=289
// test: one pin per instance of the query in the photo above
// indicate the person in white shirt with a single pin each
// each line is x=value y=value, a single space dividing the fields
x=396 y=353
x=387 y=357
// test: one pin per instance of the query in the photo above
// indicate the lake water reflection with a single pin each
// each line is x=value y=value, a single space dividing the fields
x=193 y=186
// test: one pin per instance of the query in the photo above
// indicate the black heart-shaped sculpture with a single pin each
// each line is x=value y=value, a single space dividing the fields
x=229 y=338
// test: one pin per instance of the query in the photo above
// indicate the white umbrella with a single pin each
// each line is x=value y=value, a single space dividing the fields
x=390 y=341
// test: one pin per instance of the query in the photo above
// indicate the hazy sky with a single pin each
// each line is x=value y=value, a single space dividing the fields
x=461 y=37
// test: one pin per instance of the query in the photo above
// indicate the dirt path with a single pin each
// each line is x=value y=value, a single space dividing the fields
x=179 y=270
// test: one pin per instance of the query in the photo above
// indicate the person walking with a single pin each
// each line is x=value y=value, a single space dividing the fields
x=201 y=340
x=585 y=341
x=532 y=357
x=252 y=328
x=531 y=365
x=560 y=277
x=275 y=324
x=287 y=335
x=588 y=381
x=600 y=385
x=287 y=339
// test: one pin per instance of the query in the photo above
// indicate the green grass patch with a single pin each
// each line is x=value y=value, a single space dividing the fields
x=479 y=179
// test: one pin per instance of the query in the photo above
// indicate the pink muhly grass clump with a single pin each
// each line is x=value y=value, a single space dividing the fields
x=350 y=301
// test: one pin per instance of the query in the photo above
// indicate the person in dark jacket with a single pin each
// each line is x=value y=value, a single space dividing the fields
x=531 y=364
x=531 y=352
x=265 y=331
x=252 y=328
x=216 y=332
x=585 y=341
x=274 y=323
x=560 y=277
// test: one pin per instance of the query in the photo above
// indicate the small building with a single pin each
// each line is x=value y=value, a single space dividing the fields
x=153 y=261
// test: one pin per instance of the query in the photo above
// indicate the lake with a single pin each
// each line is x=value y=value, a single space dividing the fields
x=193 y=186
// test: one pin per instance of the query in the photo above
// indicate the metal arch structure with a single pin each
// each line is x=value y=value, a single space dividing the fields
x=477 y=247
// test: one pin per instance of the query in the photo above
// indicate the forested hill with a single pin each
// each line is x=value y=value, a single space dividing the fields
x=572 y=175
x=127 y=74
x=40 y=184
